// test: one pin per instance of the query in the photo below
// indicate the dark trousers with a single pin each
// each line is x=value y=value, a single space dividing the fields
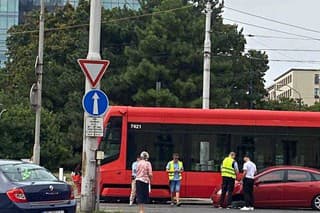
x=142 y=192
x=248 y=191
x=227 y=186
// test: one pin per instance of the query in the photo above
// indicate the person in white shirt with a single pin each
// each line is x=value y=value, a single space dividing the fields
x=249 y=170
x=133 y=180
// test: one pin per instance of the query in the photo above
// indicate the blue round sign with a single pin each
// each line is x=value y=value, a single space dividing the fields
x=95 y=102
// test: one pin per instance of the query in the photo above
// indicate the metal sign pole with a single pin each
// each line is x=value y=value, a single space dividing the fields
x=90 y=144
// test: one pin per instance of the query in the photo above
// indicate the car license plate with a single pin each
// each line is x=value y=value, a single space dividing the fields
x=55 y=211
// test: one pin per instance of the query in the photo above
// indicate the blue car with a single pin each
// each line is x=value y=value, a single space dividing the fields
x=26 y=187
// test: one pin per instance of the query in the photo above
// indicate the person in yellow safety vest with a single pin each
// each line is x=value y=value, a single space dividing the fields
x=229 y=172
x=174 y=169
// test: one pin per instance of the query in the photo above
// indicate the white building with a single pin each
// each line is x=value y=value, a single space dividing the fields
x=297 y=84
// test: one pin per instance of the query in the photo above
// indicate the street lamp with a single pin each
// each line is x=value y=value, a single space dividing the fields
x=299 y=94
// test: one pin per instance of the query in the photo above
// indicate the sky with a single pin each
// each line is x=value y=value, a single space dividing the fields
x=294 y=12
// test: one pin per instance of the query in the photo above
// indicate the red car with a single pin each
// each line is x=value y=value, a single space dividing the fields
x=282 y=186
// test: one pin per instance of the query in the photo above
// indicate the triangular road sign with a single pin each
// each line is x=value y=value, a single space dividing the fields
x=93 y=69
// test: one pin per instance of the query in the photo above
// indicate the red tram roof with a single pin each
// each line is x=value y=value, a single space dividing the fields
x=218 y=116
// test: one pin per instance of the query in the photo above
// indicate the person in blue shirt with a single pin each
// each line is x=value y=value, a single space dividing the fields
x=174 y=169
x=133 y=180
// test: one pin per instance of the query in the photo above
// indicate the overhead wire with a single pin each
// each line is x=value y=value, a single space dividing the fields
x=160 y=12
x=270 y=29
x=286 y=49
x=103 y=22
x=276 y=60
x=302 y=37
x=273 y=20
x=276 y=37
x=288 y=57
x=265 y=45
x=166 y=54
x=279 y=51
x=294 y=61
x=287 y=60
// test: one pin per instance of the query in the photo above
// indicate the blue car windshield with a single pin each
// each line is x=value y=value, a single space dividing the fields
x=26 y=172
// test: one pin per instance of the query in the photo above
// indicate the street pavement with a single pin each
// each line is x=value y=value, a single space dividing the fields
x=187 y=208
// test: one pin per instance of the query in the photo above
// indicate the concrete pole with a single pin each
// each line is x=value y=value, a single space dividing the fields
x=90 y=144
x=98 y=185
x=207 y=57
x=39 y=71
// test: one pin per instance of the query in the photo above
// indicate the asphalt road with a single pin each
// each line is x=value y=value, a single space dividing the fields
x=187 y=208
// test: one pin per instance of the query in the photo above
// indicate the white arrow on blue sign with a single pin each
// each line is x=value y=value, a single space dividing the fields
x=95 y=102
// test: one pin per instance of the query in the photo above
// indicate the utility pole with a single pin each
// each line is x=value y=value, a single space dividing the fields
x=207 y=58
x=251 y=88
x=90 y=144
x=39 y=71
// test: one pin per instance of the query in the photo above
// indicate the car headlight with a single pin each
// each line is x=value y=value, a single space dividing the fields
x=219 y=192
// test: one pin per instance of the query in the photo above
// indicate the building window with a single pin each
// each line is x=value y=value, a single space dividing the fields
x=3 y=5
x=316 y=79
x=131 y=4
x=316 y=92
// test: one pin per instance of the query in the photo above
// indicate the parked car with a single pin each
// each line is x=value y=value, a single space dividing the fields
x=281 y=186
x=26 y=187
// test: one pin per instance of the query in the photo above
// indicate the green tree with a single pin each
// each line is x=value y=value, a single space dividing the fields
x=169 y=53
x=62 y=82
x=155 y=61
x=285 y=104
x=315 y=107
x=17 y=128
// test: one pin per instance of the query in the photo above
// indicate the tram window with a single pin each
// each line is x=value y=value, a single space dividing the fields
x=111 y=143
x=203 y=147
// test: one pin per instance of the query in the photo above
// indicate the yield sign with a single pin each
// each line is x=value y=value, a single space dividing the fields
x=93 y=69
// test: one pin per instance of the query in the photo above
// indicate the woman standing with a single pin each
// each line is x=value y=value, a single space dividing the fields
x=143 y=179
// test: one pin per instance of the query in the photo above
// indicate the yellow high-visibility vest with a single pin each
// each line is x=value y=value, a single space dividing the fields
x=226 y=169
x=171 y=170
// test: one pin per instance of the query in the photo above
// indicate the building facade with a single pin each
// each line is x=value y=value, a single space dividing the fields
x=299 y=84
x=131 y=4
x=26 y=6
x=13 y=12
x=9 y=16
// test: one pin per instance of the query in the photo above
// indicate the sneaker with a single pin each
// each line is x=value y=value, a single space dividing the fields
x=178 y=203
x=131 y=203
x=172 y=204
x=245 y=208
x=251 y=208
